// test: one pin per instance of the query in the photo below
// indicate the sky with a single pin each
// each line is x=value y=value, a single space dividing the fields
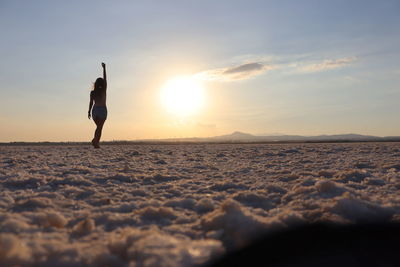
x=266 y=67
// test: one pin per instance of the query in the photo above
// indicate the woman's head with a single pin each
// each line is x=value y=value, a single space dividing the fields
x=99 y=84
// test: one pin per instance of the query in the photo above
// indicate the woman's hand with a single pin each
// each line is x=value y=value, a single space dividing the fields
x=103 y=64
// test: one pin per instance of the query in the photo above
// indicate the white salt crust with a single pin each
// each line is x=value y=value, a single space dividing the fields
x=181 y=205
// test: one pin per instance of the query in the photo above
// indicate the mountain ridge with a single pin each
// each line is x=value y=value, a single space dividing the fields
x=236 y=137
x=241 y=136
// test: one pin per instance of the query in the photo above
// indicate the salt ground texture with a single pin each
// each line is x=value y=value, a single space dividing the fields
x=181 y=205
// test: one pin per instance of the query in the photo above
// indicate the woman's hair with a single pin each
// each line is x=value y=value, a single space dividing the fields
x=98 y=87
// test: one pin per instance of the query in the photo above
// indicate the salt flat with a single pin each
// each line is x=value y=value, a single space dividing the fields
x=181 y=205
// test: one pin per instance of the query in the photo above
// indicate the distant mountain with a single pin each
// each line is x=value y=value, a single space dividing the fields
x=344 y=137
x=236 y=136
x=246 y=137
x=240 y=136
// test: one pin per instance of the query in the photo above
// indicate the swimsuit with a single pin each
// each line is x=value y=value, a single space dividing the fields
x=99 y=112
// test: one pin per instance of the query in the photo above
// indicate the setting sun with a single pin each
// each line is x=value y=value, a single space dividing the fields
x=182 y=96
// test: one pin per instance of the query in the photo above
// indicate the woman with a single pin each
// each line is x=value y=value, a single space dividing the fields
x=99 y=112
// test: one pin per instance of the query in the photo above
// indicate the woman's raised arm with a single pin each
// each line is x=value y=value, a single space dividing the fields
x=104 y=74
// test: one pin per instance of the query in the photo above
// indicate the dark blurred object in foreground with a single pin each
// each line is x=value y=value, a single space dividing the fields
x=322 y=245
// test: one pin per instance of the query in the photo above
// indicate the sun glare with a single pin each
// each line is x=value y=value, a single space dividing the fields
x=183 y=96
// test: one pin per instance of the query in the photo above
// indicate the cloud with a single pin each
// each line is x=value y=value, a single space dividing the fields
x=291 y=64
x=241 y=72
x=249 y=67
x=328 y=64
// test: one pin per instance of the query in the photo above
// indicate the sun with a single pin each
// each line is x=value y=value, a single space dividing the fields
x=183 y=96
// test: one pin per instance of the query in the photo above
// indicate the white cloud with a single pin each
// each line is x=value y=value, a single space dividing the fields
x=240 y=72
x=328 y=64
x=294 y=63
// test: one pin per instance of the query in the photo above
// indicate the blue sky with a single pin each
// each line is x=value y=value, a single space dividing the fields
x=325 y=67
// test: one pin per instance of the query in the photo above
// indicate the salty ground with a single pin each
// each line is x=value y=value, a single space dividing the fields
x=181 y=205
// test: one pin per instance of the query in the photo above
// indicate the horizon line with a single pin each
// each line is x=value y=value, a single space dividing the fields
x=218 y=137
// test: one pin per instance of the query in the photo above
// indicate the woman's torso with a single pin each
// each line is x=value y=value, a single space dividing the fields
x=100 y=99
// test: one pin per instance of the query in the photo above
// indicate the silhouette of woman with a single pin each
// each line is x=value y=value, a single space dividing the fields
x=99 y=112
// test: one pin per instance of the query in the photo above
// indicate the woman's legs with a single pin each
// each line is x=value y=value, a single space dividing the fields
x=97 y=133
